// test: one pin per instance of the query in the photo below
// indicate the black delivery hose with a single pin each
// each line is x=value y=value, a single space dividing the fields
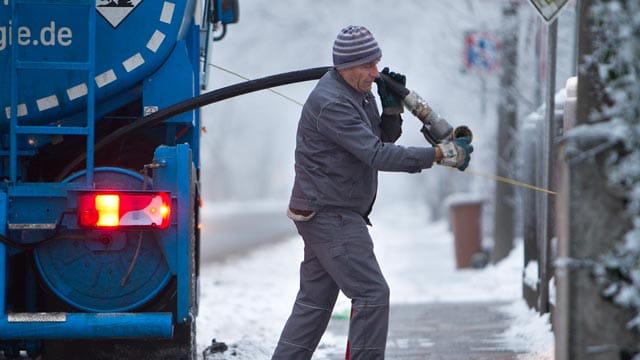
x=202 y=100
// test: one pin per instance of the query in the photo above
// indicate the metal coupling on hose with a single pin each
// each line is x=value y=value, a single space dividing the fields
x=436 y=129
x=437 y=126
x=419 y=107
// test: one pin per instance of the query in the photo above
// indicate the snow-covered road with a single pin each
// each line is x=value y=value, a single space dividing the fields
x=246 y=298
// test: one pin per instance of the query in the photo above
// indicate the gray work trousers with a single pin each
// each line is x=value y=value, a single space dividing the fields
x=338 y=255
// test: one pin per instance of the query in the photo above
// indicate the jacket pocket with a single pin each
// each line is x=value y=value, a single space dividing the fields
x=298 y=215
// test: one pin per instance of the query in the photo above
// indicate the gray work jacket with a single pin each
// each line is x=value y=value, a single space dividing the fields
x=341 y=143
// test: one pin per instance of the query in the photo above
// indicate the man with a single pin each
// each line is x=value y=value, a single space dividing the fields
x=341 y=144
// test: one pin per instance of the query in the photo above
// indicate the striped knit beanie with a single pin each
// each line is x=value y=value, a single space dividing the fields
x=355 y=46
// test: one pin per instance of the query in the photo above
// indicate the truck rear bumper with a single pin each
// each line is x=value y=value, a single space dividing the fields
x=85 y=325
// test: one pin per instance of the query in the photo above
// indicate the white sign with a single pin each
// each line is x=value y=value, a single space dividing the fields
x=115 y=11
x=549 y=9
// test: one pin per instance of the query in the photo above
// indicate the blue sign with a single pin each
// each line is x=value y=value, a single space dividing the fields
x=481 y=52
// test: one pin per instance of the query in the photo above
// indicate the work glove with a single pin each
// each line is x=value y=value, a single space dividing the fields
x=456 y=153
x=391 y=103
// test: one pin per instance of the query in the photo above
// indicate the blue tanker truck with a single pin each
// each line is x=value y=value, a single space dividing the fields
x=98 y=206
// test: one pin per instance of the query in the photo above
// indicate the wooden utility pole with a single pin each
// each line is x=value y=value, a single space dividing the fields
x=507 y=117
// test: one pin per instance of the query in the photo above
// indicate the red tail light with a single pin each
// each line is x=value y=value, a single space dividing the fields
x=124 y=209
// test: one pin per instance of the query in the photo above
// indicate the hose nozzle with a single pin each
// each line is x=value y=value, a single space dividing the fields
x=462 y=131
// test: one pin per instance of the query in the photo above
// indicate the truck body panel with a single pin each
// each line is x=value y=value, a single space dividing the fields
x=84 y=261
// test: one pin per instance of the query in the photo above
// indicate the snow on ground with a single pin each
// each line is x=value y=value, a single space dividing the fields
x=246 y=299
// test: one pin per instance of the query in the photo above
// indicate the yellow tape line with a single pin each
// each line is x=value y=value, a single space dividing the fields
x=509 y=181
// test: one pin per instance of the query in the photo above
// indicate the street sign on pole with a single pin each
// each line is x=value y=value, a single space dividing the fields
x=481 y=52
x=549 y=9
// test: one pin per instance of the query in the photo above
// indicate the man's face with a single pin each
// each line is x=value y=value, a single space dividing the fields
x=361 y=77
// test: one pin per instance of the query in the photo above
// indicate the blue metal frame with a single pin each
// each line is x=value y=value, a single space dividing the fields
x=91 y=98
x=3 y=253
x=193 y=47
x=86 y=326
x=87 y=65
x=13 y=122
x=185 y=231
x=176 y=175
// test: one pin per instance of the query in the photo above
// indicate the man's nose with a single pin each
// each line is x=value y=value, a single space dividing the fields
x=375 y=73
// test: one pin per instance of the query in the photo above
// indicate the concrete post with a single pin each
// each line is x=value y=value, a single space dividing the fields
x=589 y=220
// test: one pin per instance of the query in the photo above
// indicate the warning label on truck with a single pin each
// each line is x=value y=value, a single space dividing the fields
x=115 y=11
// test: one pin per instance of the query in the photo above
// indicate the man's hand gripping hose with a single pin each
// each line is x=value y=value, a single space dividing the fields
x=455 y=144
x=456 y=153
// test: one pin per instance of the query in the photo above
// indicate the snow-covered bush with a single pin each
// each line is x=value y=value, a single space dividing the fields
x=616 y=31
